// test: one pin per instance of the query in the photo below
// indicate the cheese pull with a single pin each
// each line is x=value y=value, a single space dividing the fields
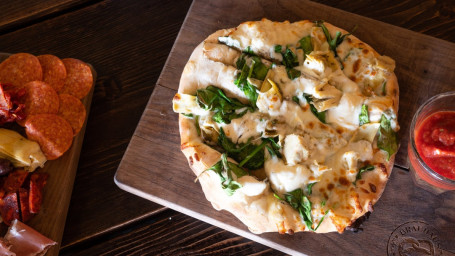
x=20 y=151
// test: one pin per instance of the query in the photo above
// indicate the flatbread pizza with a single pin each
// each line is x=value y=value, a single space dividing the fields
x=289 y=126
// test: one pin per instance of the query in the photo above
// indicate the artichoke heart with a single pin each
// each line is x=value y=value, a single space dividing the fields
x=20 y=151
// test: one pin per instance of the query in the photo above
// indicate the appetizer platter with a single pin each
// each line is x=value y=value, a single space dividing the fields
x=153 y=166
x=44 y=101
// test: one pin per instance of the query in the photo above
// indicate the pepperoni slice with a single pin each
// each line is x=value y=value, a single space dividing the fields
x=20 y=69
x=79 y=78
x=73 y=111
x=53 y=133
x=41 y=98
x=54 y=71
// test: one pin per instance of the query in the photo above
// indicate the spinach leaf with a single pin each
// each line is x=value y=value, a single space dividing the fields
x=300 y=202
x=363 y=117
x=224 y=169
x=362 y=170
x=278 y=48
x=273 y=146
x=249 y=155
x=319 y=115
x=259 y=69
x=290 y=61
x=295 y=99
x=388 y=139
x=333 y=43
x=309 y=188
x=242 y=151
x=293 y=73
x=249 y=51
x=214 y=99
x=306 y=45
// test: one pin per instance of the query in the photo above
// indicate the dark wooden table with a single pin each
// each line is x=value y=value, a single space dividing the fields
x=128 y=41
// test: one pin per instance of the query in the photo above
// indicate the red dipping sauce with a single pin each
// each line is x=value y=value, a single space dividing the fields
x=431 y=147
x=435 y=142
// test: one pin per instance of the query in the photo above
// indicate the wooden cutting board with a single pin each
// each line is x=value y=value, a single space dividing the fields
x=154 y=168
x=50 y=221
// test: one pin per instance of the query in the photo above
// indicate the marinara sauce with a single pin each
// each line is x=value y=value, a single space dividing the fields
x=435 y=142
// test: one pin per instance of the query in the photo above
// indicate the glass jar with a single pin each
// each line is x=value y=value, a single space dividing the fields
x=423 y=175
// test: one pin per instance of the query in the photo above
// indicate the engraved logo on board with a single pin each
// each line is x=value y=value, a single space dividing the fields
x=414 y=238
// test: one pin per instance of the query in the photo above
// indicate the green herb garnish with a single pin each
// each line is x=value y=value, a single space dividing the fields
x=363 y=117
x=388 y=139
x=293 y=73
x=306 y=45
x=224 y=169
x=362 y=170
x=309 y=188
x=319 y=115
x=295 y=99
x=214 y=99
x=278 y=48
x=383 y=88
x=300 y=202
x=333 y=43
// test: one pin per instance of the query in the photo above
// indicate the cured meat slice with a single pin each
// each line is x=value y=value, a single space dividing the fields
x=20 y=69
x=53 y=133
x=73 y=111
x=37 y=183
x=11 y=108
x=41 y=98
x=9 y=208
x=24 y=205
x=79 y=78
x=15 y=180
x=54 y=71
x=25 y=240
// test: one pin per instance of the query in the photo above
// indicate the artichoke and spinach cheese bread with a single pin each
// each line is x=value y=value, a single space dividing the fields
x=289 y=126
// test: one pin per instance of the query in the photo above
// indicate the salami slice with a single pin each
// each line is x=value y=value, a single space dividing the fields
x=40 y=98
x=53 y=133
x=79 y=78
x=54 y=71
x=20 y=69
x=73 y=111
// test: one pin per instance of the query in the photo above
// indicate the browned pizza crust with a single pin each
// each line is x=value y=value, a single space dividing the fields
x=264 y=212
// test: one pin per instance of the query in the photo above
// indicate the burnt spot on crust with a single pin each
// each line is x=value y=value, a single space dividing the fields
x=372 y=187
x=355 y=226
x=352 y=78
x=394 y=92
x=330 y=186
x=290 y=231
x=306 y=107
x=323 y=126
x=190 y=160
x=311 y=125
x=383 y=169
x=356 y=66
x=364 y=191
x=361 y=182
x=365 y=51
x=349 y=40
x=196 y=156
x=343 y=181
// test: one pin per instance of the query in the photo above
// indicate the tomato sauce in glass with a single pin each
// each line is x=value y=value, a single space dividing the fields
x=435 y=142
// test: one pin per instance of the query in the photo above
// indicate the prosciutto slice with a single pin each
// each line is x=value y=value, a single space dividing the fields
x=26 y=241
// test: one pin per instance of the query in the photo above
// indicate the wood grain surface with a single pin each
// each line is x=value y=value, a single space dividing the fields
x=102 y=218
x=415 y=54
x=127 y=73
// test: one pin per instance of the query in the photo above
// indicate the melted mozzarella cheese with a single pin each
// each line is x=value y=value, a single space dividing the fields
x=346 y=114
x=250 y=125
